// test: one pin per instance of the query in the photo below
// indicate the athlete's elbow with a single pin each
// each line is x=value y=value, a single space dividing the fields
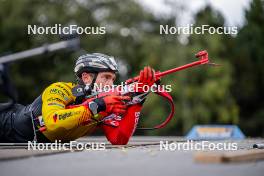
x=51 y=124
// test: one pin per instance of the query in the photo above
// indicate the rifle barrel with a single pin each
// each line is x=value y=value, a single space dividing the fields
x=203 y=59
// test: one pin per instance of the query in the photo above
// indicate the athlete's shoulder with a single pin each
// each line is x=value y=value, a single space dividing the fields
x=63 y=89
x=65 y=86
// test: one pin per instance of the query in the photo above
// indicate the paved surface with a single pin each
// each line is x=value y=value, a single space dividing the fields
x=141 y=157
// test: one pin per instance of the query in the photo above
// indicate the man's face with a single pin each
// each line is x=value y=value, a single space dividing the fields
x=103 y=78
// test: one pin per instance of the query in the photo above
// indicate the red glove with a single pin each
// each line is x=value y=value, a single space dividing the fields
x=112 y=104
x=146 y=78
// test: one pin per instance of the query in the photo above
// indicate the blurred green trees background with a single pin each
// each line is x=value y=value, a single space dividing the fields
x=232 y=93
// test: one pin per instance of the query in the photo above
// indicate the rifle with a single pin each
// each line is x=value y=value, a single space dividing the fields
x=137 y=98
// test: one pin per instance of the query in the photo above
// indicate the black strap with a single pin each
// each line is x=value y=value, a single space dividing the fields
x=94 y=79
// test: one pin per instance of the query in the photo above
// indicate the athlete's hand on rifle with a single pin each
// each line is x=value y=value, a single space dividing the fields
x=146 y=78
x=111 y=104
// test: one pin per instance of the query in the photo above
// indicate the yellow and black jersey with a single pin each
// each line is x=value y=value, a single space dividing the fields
x=62 y=123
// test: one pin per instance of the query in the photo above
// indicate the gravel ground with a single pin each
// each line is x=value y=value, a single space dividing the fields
x=141 y=157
